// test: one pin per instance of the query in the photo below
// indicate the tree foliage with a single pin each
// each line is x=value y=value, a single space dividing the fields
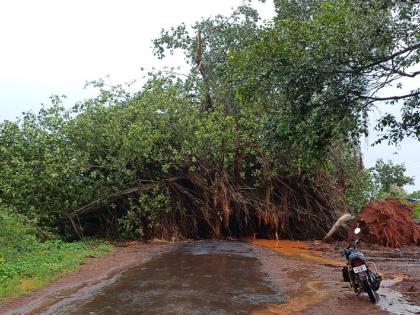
x=415 y=194
x=260 y=136
x=390 y=178
x=322 y=66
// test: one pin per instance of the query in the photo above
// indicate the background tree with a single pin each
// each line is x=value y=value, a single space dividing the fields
x=390 y=178
x=415 y=194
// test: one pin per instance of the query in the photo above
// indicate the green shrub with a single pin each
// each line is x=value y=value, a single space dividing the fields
x=17 y=235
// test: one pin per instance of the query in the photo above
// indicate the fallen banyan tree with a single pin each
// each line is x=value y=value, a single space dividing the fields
x=387 y=222
x=211 y=204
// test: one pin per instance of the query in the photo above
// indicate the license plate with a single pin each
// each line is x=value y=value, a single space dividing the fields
x=359 y=268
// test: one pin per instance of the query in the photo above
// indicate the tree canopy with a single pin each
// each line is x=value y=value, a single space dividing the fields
x=387 y=175
x=260 y=136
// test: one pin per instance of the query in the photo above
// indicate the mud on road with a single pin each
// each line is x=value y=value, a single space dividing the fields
x=314 y=283
x=226 y=277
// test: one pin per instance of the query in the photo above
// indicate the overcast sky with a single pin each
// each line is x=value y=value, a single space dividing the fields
x=55 y=46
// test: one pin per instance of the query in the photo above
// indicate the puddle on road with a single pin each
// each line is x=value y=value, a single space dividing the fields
x=393 y=301
x=196 y=278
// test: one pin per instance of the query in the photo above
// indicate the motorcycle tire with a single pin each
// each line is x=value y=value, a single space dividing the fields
x=369 y=291
x=375 y=280
x=346 y=275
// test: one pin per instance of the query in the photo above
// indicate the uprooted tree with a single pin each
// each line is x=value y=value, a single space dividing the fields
x=260 y=137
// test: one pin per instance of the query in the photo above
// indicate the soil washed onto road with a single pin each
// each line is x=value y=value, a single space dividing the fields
x=224 y=277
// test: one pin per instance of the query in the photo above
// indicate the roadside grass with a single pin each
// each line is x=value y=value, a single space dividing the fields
x=26 y=264
x=43 y=264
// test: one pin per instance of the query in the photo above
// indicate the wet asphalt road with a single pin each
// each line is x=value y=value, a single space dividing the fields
x=211 y=277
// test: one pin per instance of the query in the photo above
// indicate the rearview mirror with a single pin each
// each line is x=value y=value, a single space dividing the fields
x=357 y=230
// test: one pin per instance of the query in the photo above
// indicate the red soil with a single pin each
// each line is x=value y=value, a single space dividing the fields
x=387 y=222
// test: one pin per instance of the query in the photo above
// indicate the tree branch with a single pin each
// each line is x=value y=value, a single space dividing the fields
x=97 y=203
x=389 y=98
x=208 y=104
x=390 y=57
x=142 y=187
x=405 y=74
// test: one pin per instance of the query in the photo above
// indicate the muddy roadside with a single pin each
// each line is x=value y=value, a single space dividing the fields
x=402 y=265
x=315 y=284
x=94 y=271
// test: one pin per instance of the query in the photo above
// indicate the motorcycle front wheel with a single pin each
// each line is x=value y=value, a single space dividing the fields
x=369 y=291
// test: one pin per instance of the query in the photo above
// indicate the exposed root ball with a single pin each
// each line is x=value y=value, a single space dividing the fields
x=387 y=222
x=211 y=204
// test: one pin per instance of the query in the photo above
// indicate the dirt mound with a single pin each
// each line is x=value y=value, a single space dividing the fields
x=387 y=222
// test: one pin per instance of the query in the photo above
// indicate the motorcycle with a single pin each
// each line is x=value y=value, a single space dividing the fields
x=357 y=272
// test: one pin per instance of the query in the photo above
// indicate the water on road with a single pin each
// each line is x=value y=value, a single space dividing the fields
x=211 y=277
